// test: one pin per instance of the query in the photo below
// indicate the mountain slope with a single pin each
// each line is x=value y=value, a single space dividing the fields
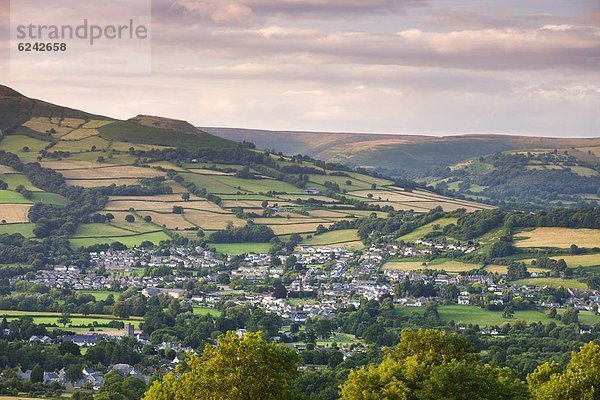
x=22 y=115
x=398 y=155
x=16 y=109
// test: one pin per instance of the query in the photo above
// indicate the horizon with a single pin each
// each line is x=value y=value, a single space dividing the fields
x=433 y=68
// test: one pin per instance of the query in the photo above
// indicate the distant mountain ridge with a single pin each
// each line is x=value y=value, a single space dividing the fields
x=402 y=155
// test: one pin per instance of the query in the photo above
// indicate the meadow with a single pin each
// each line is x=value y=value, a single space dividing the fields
x=234 y=249
x=439 y=264
x=574 y=261
x=333 y=238
x=420 y=232
x=482 y=317
x=554 y=282
x=558 y=237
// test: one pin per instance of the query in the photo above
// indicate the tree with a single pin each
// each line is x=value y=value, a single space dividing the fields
x=430 y=364
x=100 y=159
x=73 y=373
x=130 y=218
x=3 y=185
x=118 y=387
x=185 y=197
x=109 y=217
x=280 y=292
x=509 y=311
x=177 y=210
x=148 y=218
x=65 y=319
x=236 y=369
x=37 y=374
x=579 y=380
x=570 y=317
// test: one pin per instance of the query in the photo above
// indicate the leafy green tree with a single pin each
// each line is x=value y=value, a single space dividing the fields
x=236 y=369
x=37 y=374
x=430 y=364
x=64 y=319
x=580 y=380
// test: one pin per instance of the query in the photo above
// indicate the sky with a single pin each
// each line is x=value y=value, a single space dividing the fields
x=434 y=67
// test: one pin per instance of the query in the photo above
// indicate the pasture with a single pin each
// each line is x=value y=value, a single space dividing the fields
x=420 y=232
x=129 y=240
x=16 y=144
x=558 y=237
x=111 y=172
x=14 y=180
x=554 y=282
x=234 y=249
x=576 y=261
x=10 y=197
x=24 y=229
x=99 y=295
x=333 y=238
x=451 y=266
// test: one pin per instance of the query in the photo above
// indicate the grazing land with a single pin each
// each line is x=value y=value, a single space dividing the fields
x=420 y=232
x=439 y=264
x=558 y=237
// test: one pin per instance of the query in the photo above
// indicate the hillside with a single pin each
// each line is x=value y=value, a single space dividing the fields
x=394 y=155
x=540 y=178
x=16 y=109
x=153 y=178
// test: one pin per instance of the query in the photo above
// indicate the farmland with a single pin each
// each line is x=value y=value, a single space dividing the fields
x=575 y=261
x=554 y=282
x=558 y=237
x=439 y=264
x=420 y=232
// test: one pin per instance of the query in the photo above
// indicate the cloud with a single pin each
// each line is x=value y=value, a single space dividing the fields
x=219 y=11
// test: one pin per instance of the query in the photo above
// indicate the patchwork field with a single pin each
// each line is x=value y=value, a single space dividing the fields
x=25 y=147
x=14 y=213
x=558 y=237
x=111 y=172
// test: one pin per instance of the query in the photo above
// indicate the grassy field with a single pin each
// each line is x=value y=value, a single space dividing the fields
x=10 y=197
x=48 y=198
x=14 y=180
x=206 y=310
x=425 y=229
x=220 y=184
x=446 y=265
x=503 y=269
x=333 y=238
x=41 y=317
x=234 y=249
x=554 y=282
x=24 y=229
x=129 y=241
x=558 y=237
x=99 y=294
x=582 y=260
x=16 y=143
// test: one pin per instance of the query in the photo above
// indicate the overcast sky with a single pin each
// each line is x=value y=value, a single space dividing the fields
x=386 y=66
